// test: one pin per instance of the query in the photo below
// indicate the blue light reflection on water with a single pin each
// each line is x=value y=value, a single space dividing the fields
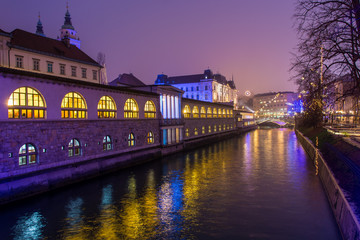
x=259 y=185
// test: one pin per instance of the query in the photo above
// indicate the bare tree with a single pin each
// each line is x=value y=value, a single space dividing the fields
x=328 y=48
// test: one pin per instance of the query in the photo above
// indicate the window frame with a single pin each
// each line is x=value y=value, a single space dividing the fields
x=19 y=107
x=131 y=108
x=28 y=157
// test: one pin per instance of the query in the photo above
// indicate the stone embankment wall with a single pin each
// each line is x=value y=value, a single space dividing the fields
x=54 y=168
x=344 y=214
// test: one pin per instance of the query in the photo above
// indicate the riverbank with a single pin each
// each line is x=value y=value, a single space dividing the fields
x=335 y=175
x=20 y=185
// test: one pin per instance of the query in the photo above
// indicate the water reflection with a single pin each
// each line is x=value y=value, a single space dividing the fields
x=258 y=185
x=29 y=227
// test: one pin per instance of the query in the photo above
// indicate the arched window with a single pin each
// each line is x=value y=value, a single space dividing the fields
x=107 y=143
x=224 y=113
x=209 y=129
x=196 y=132
x=202 y=112
x=219 y=113
x=73 y=106
x=228 y=113
x=209 y=113
x=150 y=110
x=203 y=130
x=26 y=102
x=131 y=109
x=186 y=111
x=106 y=107
x=195 y=112
x=131 y=140
x=231 y=113
x=215 y=113
x=187 y=133
x=74 y=147
x=150 y=138
x=27 y=154
x=214 y=128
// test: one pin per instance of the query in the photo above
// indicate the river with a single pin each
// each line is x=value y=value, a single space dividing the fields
x=260 y=185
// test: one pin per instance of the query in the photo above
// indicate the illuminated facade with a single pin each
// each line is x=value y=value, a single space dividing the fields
x=346 y=106
x=207 y=87
x=71 y=128
x=275 y=104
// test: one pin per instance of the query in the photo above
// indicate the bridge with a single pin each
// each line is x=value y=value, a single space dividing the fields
x=273 y=122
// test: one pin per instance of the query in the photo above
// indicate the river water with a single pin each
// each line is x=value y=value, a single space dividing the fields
x=260 y=185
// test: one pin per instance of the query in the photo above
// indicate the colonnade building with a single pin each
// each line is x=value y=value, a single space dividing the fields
x=60 y=124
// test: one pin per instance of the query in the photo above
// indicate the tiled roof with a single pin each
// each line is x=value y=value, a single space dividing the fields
x=44 y=45
x=185 y=79
x=127 y=80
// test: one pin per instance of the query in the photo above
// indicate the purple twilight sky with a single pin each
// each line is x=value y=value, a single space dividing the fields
x=250 y=40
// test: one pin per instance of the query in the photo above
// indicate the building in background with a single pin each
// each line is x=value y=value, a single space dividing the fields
x=275 y=104
x=206 y=87
x=345 y=107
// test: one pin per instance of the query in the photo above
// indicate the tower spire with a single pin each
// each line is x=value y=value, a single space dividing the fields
x=67 y=31
x=39 y=27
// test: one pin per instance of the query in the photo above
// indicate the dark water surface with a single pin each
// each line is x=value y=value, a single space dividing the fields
x=260 y=185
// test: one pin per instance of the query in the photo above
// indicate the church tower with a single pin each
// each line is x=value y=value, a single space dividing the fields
x=39 y=28
x=67 y=31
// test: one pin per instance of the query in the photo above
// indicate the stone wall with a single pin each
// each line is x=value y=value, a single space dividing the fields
x=344 y=214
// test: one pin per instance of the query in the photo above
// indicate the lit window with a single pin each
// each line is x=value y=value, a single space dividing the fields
x=196 y=132
x=209 y=129
x=209 y=114
x=150 y=138
x=73 y=106
x=214 y=128
x=187 y=133
x=202 y=112
x=224 y=127
x=83 y=72
x=195 y=112
x=74 y=148
x=73 y=71
x=228 y=113
x=219 y=113
x=50 y=67
x=215 y=113
x=106 y=107
x=224 y=113
x=203 y=130
x=27 y=154
x=186 y=111
x=62 y=69
x=150 y=110
x=19 y=61
x=107 y=143
x=94 y=74
x=131 y=140
x=131 y=109
x=219 y=128
x=36 y=64
x=26 y=102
